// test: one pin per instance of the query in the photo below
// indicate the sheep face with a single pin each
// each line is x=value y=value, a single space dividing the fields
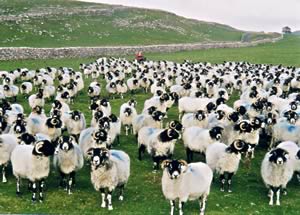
x=216 y=133
x=257 y=123
x=57 y=104
x=200 y=115
x=174 y=167
x=66 y=143
x=104 y=123
x=234 y=117
x=54 y=122
x=278 y=156
x=291 y=116
x=99 y=156
x=220 y=114
x=76 y=115
x=293 y=105
x=65 y=95
x=100 y=136
x=56 y=113
x=90 y=90
x=210 y=107
x=43 y=148
x=220 y=101
x=298 y=155
x=6 y=87
x=158 y=115
x=127 y=111
x=26 y=139
x=151 y=110
x=241 y=110
x=243 y=126
x=3 y=123
x=104 y=102
x=93 y=106
x=270 y=119
x=176 y=125
x=113 y=118
x=132 y=103
x=19 y=127
x=37 y=109
x=168 y=135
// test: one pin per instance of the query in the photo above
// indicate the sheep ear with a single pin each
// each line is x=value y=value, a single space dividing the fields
x=90 y=152
x=165 y=163
x=60 y=140
x=184 y=165
x=72 y=140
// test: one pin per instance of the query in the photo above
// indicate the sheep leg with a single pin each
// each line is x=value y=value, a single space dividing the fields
x=121 y=193
x=109 y=194
x=271 y=194
x=189 y=155
x=4 y=180
x=181 y=204
x=229 y=182
x=118 y=139
x=172 y=203
x=298 y=176
x=62 y=180
x=103 y=204
x=34 y=189
x=70 y=182
x=18 y=192
x=142 y=149
x=222 y=180
x=29 y=186
x=72 y=175
x=278 y=196
x=41 y=189
x=126 y=129
x=202 y=204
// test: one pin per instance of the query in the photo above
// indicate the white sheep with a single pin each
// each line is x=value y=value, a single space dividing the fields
x=224 y=159
x=198 y=118
x=7 y=144
x=141 y=120
x=197 y=139
x=276 y=171
x=26 y=88
x=32 y=163
x=75 y=123
x=68 y=160
x=191 y=105
x=37 y=99
x=109 y=170
x=185 y=182
x=127 y=113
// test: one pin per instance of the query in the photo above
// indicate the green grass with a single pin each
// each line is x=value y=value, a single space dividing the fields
x=114 y=26
x=143 y=194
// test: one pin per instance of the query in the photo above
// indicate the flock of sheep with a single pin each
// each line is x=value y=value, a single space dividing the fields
x=268 y=106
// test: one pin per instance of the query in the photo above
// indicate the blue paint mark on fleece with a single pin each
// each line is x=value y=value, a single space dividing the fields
x=151 y=131
x=35 y=121
x=117 y=155
x=291 y=128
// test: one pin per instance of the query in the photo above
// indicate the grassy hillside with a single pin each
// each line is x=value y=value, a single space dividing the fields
x=143 y=194
x=59 y=23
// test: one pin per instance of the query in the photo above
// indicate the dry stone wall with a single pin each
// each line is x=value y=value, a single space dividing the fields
x=10 y=53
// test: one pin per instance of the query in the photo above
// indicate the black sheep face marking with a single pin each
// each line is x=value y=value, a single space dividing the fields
x=168 y=135
x=270 y=119
x=26 y=139
x=293 y=105
x=3 y=124
x=158 y=115
x=257 y=123
x=278 y=156
x=99 y=156
x=242 y=110
x=56 y=113
x=128 y=111
x=104 y=123
x=94 y=106
x=220 y=101
x=132 y=103
x=98 y=115
x=273 y=91
x=43 y=148
x=298 y=155
x=291 y=116
x=38 y=109
x=23 y=86
x=234 y=116
x=174 y=96
x=19 y=127
x=66 y=143
x=6 y=87
x=216 y=133
x=210 y=107
x=104 y=102
x=175 y=125
x=174 y=167
x=65 y=95
x=220 y=114
x=268 y=106
x=200 y=115
x=76 y=115
x=113 y=118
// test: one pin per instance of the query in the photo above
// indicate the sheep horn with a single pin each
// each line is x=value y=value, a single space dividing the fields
x=38 y=146
x=172 y=124
x=183 y=162
x=165 y=163
x=242 y=126
x=238 y=144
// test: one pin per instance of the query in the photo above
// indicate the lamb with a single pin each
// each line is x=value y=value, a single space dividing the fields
x=110 y=169
x=32 y=163
x=68 y=160
x=197 y=139
x=198 y=118
x=186 y=182
x=7 y=144
x=276 y=171
x=225 y=160
x=127 y=113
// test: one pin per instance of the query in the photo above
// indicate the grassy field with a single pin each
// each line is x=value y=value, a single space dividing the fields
x=73 y=23
x=143 y=194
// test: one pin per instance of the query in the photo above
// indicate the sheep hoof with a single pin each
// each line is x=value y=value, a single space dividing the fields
x=121 y=198
x=41 y=201
x=284 y=192
x=271 y=203
x=103 y=205
x=154 y=171
x=4 y=180
x=222 y=190
x=229 y=191
x=278 y=203
x=110 y=207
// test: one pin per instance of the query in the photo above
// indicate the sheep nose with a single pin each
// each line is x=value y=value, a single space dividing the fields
x=175 y=174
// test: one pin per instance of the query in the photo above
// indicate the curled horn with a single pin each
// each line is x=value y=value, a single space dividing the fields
x=38 y=146
x=172 y=124
x=169 y=132
x=165 y=163
x=238 y=144
x=242 y=126
x=183 y=162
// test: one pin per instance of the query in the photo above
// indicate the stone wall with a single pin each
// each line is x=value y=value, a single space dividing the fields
x=9 y=53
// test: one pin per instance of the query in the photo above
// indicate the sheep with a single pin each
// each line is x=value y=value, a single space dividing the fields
x=133 y=84
x=32 y=163
x=186 y=182
x=293 y=149
x=93 y=138
x=26 y=88
x=94 y=90
x=53 y=127
x=68 y=160
x=37 y=99
x=75 y=123
x=276 y=171
x=198 y=118
x=224 y=159
x=115 y=128
x=110 y=169
x=121 y=88
x=7 y=144
x=197 y=139
x=160 y=143
x=36 y=120
x=191 y=105
x=11 y=91
x=127 y=113
x=284 y=131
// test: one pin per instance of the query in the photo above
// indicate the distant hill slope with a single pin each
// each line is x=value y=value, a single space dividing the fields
x=61 y=23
